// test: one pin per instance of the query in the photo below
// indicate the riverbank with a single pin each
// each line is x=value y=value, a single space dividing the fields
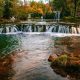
x=66 y=58
x=51 y=21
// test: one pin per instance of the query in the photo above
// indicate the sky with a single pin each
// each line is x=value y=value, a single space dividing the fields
x=44 y=1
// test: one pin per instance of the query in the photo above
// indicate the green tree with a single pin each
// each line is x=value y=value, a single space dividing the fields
x=76 y=2
x=61 y=5
x=10 y=8
x=7 y=11
x=1 y=7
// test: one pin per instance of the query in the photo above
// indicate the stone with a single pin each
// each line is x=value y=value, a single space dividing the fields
x=52 y=57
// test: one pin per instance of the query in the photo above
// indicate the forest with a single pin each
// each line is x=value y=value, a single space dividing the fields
x=69 y=9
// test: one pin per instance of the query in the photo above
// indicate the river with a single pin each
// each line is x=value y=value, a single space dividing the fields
x=24 y=56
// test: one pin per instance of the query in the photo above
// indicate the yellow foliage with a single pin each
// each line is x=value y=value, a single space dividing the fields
x=35 y=7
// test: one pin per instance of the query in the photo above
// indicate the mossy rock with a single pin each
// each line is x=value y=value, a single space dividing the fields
x=61 y=60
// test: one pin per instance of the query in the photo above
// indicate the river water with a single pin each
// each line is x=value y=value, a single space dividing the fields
x=24 y=56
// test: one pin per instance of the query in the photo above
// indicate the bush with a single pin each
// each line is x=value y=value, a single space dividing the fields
x=68 y=19
x=49 y=16
x=36 y=15
x=22 y=16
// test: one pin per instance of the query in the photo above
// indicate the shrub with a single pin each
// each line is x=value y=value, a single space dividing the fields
x=49 y=16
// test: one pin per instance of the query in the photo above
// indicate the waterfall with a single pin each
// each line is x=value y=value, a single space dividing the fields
x=67 y=29
x=30 y=28
x=78 y=29
x=1 y=29
x=63 y=29
x=7 y=29
x=60 y=29
x=35 y=29
x=41 y=18
x=14 y=29
x=26 y=28
x=57 y=15
x=50 y=29
x=54 y=28
x=38 y=28
x=74 y=30
x=47 y=27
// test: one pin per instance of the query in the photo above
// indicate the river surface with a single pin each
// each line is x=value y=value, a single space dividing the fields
x=25 y=56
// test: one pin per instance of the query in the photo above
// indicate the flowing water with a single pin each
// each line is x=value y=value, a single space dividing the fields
x=24 y=56
x=40 y=27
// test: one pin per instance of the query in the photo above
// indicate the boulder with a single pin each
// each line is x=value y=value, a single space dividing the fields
x=52 y=57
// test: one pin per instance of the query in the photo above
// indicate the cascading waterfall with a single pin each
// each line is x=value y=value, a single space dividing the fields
x=1 y=30
x=57 y=15
x=63 y=29
x=7 y=29
x=50 y=29
x=67 y=29
x=30 y=28
x=40 y=28
x=78 y=29
x=13 y=28
x=74 y=30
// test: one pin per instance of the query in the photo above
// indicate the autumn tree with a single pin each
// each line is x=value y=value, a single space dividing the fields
x=40 y=8
x=14 y=7
x=22 y=12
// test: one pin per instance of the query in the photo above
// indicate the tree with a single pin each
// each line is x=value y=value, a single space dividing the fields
x=14 y=7
x=78 y=8
x=41 y=8
x=10 y=8
x=1 y=7
x=7 y=12
x=75 y=6
x=22 y=13
x=61 y=5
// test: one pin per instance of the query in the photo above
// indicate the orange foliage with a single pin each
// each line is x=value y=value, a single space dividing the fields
x=35 y=7
x=39 y=10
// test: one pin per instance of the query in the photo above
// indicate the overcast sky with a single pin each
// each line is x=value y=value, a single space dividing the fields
x=45 y=1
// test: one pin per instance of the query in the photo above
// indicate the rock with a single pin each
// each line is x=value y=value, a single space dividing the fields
x=65 y=60
x=61 y=60
x=73 y=61
x=52 y=57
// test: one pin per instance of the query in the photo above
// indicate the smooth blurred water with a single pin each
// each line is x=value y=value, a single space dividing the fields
x=27 y=55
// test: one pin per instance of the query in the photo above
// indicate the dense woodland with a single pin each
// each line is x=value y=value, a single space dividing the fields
x=16 y=8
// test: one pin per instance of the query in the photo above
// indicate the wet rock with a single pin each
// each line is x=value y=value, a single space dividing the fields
x=67 y=63
x=67 y=66
x=61 y=60
x=52 y=57
x=73 y=61
x=65 y=60
x=68 y=72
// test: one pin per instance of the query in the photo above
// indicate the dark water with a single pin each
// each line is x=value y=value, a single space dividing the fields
x=25 y=56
